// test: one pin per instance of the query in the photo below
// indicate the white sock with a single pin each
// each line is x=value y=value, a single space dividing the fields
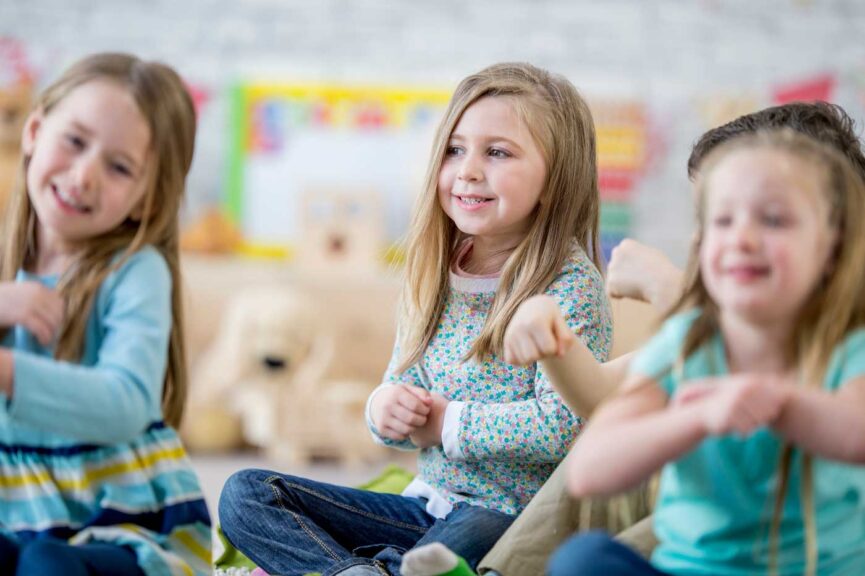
x=429 y=560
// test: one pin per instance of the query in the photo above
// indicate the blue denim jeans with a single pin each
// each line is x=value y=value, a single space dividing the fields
x=289 y=525
x=49 y=557
x=596 y=553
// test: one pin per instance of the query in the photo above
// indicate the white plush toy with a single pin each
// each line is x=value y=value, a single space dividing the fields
x=263 y=382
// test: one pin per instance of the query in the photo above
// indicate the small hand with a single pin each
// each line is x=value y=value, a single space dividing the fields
x=693 y=391
x=740 y=403
x=643 y=273
x=399 y=410
x=34 y=306
x=536 y=331
x=430 y=434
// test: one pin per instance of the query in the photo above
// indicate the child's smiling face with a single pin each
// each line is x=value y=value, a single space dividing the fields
x=88 y=169
x=767 y=240
x=493 y=172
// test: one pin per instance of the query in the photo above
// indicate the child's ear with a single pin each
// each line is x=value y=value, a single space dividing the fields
x=31 y=129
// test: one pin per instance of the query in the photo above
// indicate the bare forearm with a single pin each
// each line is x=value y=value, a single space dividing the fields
x=667 y=288
x=617 y=455
x=582 y=381
x=828 y=425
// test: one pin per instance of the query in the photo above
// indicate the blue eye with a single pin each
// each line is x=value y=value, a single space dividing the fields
x=499 y=153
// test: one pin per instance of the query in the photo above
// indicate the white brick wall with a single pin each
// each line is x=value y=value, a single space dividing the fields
x=670 y=54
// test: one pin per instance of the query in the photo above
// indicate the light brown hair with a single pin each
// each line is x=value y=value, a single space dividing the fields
x=832 y=311
x=825 y=122
x=560 y=122
x=166 y=105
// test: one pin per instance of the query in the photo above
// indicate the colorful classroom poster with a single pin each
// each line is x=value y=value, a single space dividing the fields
x=291 y=140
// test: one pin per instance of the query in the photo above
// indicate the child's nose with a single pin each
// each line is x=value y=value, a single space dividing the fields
x=746 y=235
x=85 y=172
x=470 y=169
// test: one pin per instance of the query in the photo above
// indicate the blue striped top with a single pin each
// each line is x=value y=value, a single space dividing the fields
x=84 y=453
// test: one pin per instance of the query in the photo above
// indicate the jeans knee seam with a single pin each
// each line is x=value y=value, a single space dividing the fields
x=358 y=511
x=352 y=509
x=299 y=519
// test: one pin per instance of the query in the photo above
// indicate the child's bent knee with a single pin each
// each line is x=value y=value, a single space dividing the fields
x=241 y=491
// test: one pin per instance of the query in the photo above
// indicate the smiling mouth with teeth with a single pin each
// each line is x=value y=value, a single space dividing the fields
x=473 y=200
x=70 y=202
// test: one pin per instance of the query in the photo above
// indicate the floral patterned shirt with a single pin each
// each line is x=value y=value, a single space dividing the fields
x=508 y=427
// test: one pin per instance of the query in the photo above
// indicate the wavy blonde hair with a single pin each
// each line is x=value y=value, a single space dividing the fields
x=833 y=309
x=560 y=122
x=166 y=105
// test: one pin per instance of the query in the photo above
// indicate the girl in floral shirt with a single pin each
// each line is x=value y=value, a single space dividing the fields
x=510 y=209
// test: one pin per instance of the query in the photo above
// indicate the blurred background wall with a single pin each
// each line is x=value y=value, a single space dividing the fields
x=687 y=65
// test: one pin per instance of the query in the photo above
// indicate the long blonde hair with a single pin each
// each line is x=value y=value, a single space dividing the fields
x=560 y=122
x=166 y=105
x=834 y=308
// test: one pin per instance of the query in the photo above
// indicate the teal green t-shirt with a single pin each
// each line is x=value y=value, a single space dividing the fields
x=715 y=504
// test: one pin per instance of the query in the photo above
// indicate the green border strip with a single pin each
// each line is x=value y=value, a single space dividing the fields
x=615 y=217
x=239 y=143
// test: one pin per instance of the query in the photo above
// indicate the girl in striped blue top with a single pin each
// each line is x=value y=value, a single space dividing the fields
x=93 y=478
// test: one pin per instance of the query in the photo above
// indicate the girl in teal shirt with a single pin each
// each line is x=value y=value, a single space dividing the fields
x=751 y=397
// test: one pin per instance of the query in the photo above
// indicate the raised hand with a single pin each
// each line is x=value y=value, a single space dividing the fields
x=537 y=331
x=34 y=306
x=643 y=273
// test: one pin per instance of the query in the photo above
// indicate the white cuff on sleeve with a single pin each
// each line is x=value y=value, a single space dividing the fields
x=451 y=431
x=368 y=415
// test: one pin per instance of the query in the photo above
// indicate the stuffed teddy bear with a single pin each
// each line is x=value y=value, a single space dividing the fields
x=263 y=382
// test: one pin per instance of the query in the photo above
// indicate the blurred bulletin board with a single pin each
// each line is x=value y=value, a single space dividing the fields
x=622 y=140
x=291 y=138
